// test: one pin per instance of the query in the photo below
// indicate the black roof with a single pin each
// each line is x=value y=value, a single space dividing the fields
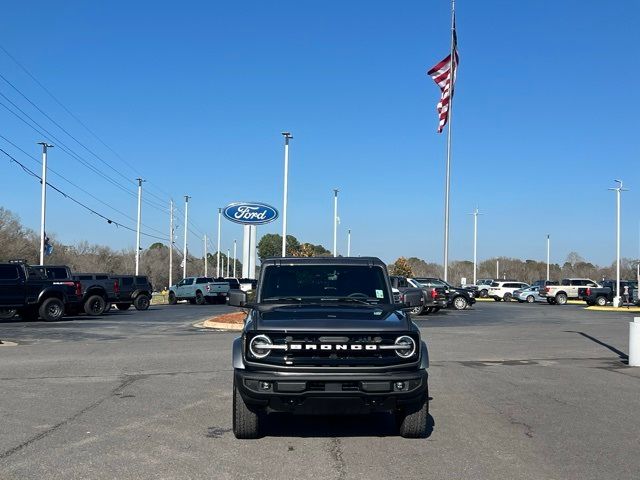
x=367 y=261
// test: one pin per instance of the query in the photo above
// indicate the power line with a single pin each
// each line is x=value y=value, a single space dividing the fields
x=48 y=92
x=86 y=207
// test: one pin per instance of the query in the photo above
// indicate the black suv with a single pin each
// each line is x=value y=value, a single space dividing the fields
x=136 y=290
x=324 y=336
x=26 y=291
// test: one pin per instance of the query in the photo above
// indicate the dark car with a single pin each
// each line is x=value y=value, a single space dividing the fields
x=457 y=297
x=324 y=336
x=433 y=298
x=135 y=290
x=24 y=290
x=99 y=290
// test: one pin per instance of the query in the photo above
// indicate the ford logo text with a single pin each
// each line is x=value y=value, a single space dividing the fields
x=250 y=213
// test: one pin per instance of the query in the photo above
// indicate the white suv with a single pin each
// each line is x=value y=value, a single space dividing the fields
x=503 y=290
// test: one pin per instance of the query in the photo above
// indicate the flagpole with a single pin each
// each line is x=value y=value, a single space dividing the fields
x=448 y=169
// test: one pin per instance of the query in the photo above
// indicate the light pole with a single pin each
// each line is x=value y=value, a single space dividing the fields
x=43 y=206
x=335 y=222
x=140 y=180
x=548 y=255
x=475 y=214
x=206 y=261
x=618 y=190
x=287 y=137
x=228 y=260
x=186 y=219
x=349 y=243
x=234 y=258
x=218 y=253
x=170 y=242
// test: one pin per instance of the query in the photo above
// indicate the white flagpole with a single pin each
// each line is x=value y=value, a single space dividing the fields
x=448 y=169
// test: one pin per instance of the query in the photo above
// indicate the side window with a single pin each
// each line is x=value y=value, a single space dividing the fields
x=85 y=277
x=141 y=280
x=8 y=272
x=127 y=281
x=56 y=273
x=201 y=280
x=565 y=282
x=102 y=277
x=402 y=283
x=188 y=281
x=590 y=284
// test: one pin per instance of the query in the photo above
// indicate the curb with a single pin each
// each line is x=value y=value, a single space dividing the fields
x=613 y=309
x=232 y=327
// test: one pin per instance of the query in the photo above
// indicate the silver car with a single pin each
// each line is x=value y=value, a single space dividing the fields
x=529 y=295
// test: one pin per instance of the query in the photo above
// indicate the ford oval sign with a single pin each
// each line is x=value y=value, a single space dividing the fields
x=250 y=213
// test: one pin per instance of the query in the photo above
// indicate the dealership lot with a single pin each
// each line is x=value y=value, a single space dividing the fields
x=519 y=391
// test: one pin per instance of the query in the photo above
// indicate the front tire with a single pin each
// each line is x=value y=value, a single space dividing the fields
x=561 y=298
x=460 y=303
x=95 y=305
x=246 y=419
x=484 y=293
x=601 y=301
x=142 y=302
x=413 y=420
x=507 y=297
x=530 y=299
x=51 y=310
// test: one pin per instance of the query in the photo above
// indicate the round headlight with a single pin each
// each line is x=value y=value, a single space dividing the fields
x=408 y=345
x=256 y=343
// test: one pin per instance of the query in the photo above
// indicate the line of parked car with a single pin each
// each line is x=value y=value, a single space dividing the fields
x=556 y=293
x=436 y=294
x=52 y=291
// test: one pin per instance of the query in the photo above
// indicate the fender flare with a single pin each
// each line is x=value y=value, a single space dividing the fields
x=424 y=356
x=237 y=360
x=50 y=292
x=137 y=293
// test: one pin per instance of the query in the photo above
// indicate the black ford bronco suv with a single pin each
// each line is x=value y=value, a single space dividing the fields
x=324 y=336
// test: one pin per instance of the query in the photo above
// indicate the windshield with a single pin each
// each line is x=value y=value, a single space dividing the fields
x=324 y=283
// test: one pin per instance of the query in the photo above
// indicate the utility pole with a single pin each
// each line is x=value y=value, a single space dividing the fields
x=548 y=256
x=497 y=269
x=43 y=206
x=186 y=228
x=475 y=214
x=228 y=259
x=206 y=262
x=349 y=243
x=287 y=137
x=218 y=253
x=170 y=242
x=140 y=180
x=234 y=258
x=335 y=222
x=618 y=190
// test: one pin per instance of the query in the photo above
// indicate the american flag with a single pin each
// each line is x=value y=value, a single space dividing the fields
x=441 y=74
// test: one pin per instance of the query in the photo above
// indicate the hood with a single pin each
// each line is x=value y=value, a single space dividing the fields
x=296 y=318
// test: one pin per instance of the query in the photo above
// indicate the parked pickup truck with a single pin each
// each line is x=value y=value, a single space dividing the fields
x=567 y=290
x=134 y=289
x=99 y=290
x=199 y=290
x=325 y=337
x=25 y=291
x=433 y=299
x=601 y=295
x=458 y=298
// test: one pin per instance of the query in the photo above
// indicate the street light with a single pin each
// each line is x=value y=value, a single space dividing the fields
x=287 y=136
x=335 y=222
x=618 y=190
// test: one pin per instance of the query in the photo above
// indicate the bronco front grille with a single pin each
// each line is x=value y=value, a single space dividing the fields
x=322 y=350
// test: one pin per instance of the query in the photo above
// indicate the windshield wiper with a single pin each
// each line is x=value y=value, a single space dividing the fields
x=347 y=299
x=283 y=299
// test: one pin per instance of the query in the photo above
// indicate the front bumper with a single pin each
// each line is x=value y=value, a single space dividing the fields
x=333 y=393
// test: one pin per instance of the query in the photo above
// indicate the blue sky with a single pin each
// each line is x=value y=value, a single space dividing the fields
x=194 y=95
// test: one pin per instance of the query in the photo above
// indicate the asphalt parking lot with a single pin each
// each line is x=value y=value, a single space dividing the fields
x=519 y=392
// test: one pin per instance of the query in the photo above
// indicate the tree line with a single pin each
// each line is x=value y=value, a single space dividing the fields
x=515 y=269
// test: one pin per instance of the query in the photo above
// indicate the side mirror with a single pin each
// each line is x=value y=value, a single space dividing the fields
x=413 y=298
x=237 y=298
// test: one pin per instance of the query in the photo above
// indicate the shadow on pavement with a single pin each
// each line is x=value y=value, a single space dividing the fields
x=621 y=354
x=375 y=425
